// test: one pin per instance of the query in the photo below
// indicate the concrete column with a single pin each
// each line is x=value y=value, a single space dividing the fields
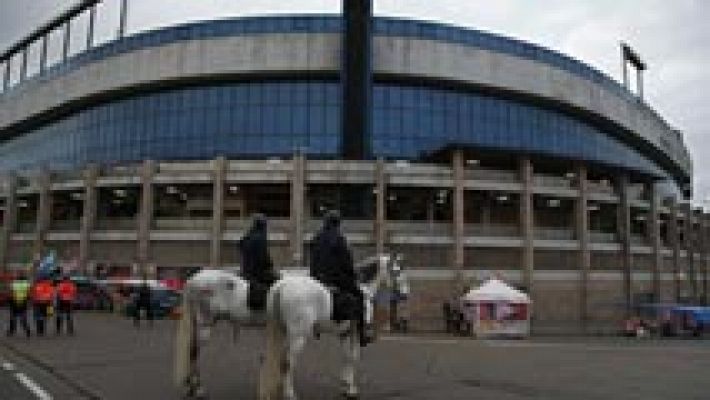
x=654 y=233
x=459 y=180
x=10 y=222
x=527 y=223
x=624 y=227
x=298 y=192
x=44 y=213
x=675 y=244
x=88 y=217
x=704 y=241
x=380 y=206
x=218 y=178
x=583 y=257
x=688 y=238
x=145 y=215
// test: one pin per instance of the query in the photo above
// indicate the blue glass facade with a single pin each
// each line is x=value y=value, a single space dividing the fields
x=271 y=118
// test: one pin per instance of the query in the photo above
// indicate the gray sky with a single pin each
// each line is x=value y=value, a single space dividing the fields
x=672 y=36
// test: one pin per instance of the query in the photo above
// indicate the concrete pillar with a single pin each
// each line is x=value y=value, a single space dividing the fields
x=654 y=233
x=298 y=193
x=624 y=228
x=675 y=244
x=88 y=217
x=583 y=257
x=527 y=223
x=145 y=216
x=459 y=180
x=380 y=206
x=218 y=178
x=44 y=213
x=688 y=235
x=703 y=267
x=10 y=217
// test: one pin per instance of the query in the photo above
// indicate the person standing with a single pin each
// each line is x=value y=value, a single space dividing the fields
x=332 y=264
x=20 y=291
x=143 y=302
x=42 y=297
x=66 y=295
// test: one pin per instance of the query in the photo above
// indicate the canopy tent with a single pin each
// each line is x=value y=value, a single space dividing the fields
x=496 y=309
x=495 y=290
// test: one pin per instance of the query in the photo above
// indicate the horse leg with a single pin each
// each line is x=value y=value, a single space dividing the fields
x=295 y=346
x=350 y=343
x=200 y=336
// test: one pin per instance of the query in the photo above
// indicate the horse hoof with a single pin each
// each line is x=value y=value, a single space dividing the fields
x=200 y=393
x=350 y=396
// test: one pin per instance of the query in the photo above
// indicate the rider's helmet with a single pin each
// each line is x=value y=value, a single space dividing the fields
x=332 y=219
x=259 y=221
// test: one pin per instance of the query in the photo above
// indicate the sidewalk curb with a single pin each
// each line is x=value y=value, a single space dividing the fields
x=79 y=387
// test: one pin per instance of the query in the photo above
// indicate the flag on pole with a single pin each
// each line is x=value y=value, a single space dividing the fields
x=47 y=266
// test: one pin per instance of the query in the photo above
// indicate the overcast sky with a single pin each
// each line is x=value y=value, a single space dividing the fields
x=673 y=36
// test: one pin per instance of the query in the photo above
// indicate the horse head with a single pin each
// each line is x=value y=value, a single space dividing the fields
x=383 y=270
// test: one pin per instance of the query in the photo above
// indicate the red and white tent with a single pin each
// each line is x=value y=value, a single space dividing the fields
x=496 y=309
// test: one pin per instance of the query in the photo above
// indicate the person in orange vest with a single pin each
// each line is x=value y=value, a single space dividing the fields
x=66 y=295
x=42 y=297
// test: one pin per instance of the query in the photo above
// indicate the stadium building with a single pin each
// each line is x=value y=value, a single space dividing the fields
x=471 y=154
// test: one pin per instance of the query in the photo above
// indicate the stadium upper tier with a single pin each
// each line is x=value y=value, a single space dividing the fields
x=265 y=86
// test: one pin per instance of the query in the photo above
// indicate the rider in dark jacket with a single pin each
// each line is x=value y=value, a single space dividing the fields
x=331 y=263
x=257 y=267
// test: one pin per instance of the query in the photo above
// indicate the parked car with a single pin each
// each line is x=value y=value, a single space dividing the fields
x=690 y=320
x=164 y=303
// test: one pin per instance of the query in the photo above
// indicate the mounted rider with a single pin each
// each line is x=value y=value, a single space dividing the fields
x=331 y=263
x=257 y=267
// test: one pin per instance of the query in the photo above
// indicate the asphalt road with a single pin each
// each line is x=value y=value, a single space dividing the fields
x=111 y=358
x=21 y=379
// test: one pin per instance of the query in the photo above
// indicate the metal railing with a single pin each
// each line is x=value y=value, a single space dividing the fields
x=554 y=234
x=68 y=225
x=182 y=224
x=482 y=174
x=115 y=224
x=428 y=228
x=26 y=227
x=492 y=230
x=602 y=237
x=552 y=181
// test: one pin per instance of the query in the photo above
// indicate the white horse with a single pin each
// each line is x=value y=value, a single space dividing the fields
x=213 y=295
x=208 y=296
x=298 y=305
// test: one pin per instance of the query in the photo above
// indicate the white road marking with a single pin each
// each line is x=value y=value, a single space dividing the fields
x=7 y=366
x=32 y=386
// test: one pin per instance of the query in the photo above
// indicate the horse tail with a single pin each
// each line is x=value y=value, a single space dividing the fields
x=184 y=340
x=272 y=369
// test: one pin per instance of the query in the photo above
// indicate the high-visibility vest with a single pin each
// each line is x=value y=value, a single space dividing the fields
x=66 y=291
x=20 y=290
x=43 y=292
